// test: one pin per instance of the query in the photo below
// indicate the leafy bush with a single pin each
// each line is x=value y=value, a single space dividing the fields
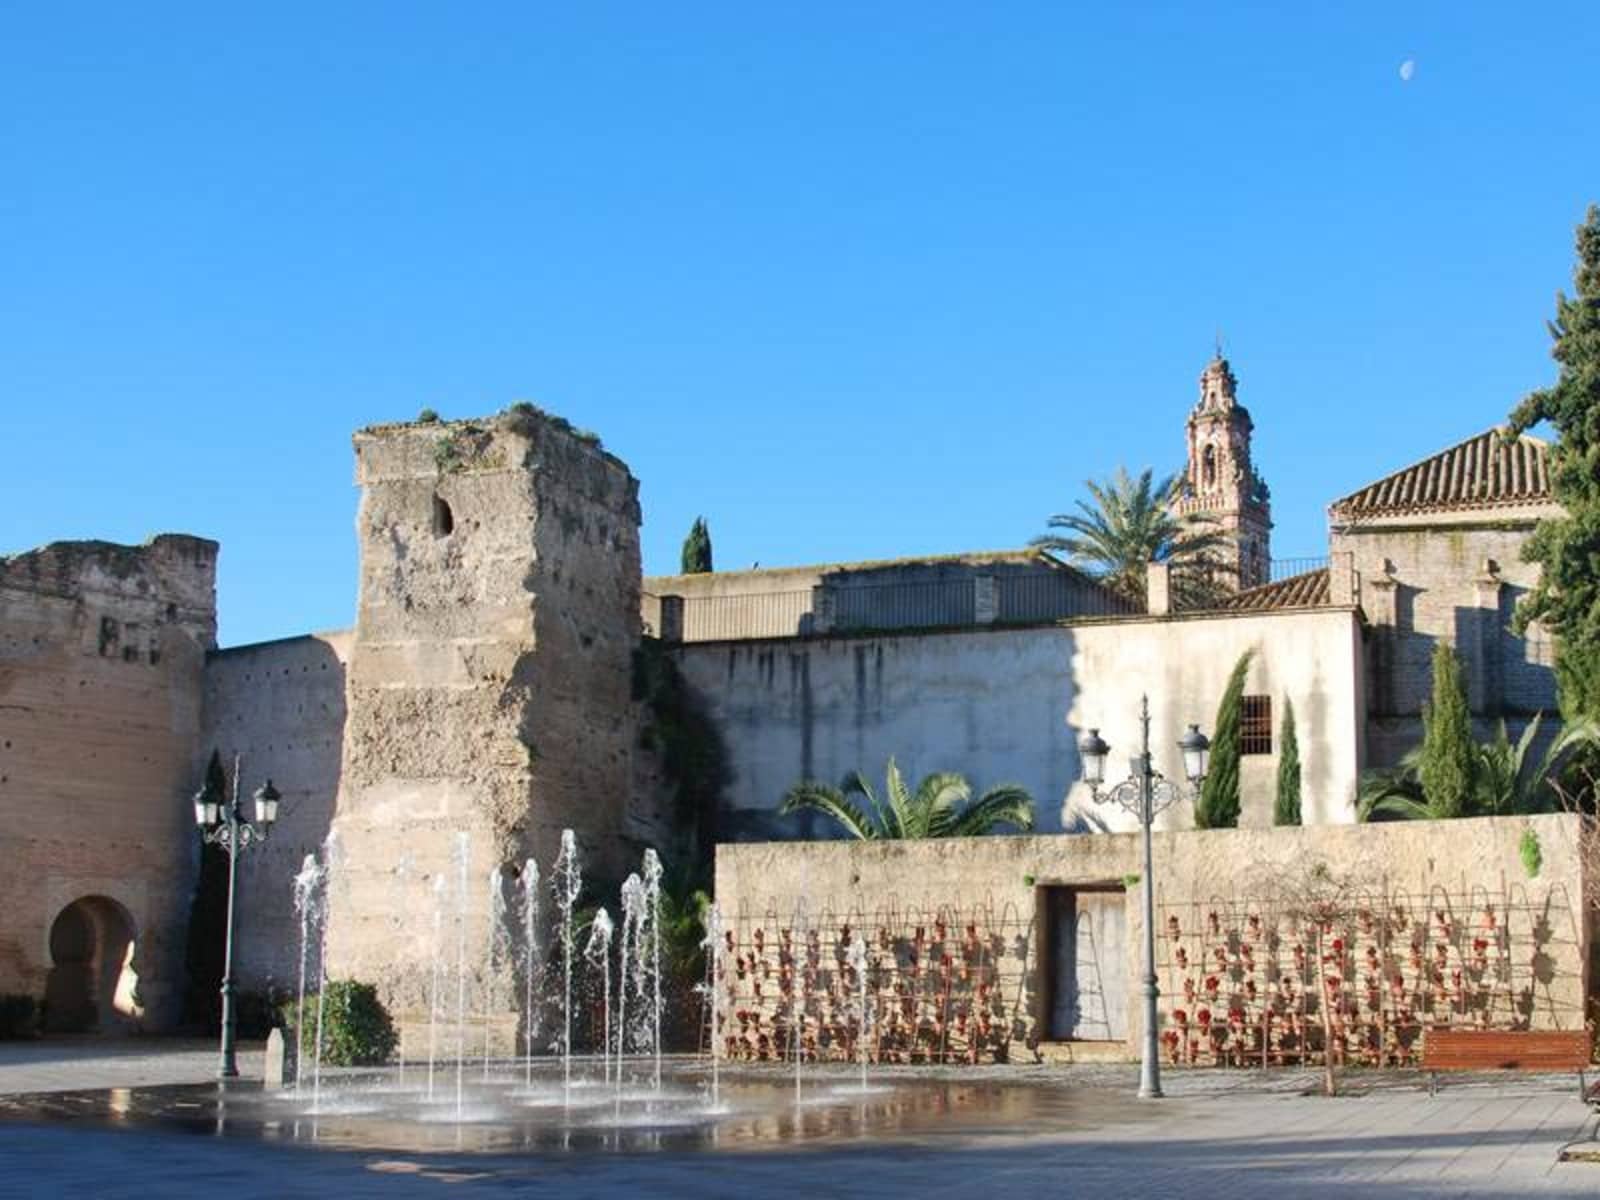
x=356 y=1028
x=1531 y=852
x=19 y=1016
x=428 y=416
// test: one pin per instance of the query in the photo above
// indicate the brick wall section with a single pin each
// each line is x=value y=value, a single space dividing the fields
x=102 y=649
x=280 y=706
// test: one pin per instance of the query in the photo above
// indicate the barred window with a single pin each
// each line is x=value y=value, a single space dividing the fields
x=1255 y=725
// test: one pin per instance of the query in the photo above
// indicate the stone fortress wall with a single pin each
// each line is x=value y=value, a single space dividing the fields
x=486 y=689
x=102 y=653
x=280 y=707
x=488 y=686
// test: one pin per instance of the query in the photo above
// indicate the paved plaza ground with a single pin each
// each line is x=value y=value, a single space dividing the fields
x=1226 y=1134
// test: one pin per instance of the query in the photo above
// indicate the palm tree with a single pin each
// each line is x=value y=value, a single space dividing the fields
x=1505 y=782
x=1129 y=524
x=941 y=806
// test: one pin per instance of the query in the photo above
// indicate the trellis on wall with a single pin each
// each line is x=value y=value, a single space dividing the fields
x=1244 y=982
x=942 y=984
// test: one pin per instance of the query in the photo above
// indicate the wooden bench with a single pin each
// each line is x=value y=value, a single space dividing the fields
x=1506 y=1050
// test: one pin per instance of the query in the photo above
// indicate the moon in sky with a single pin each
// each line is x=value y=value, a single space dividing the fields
x=1407 y=70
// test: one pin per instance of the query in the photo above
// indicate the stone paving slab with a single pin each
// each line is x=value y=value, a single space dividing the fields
x=1224 y=1134
x=66 y=1064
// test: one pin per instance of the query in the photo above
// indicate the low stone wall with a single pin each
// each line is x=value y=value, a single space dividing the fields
x=1273 y=944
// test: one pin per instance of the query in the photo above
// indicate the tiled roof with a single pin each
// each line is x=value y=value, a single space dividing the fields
x=1306 y=590
x=1482 y=472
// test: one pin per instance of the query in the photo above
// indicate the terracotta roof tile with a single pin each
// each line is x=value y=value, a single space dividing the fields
x=1306 y=590
x=1482 y=472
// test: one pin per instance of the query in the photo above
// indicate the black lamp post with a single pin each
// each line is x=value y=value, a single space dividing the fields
x=1145 y=793
x=222 y=823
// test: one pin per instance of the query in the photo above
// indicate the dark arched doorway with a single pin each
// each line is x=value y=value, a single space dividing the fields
x=92 y=982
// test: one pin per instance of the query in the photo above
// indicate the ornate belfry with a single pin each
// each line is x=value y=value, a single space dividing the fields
x=1221 y=483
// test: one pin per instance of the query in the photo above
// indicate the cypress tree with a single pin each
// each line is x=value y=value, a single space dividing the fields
x=1286 y=811
x=1445 y=765
x=1567 y=548
x=1218 y=805
x=208 y=920
x=697 y=549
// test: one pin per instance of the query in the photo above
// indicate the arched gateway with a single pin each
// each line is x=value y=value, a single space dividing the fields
x=92 y=983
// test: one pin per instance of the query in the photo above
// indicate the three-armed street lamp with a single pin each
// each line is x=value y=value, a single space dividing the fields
x=222 y=823
x=1145 y=793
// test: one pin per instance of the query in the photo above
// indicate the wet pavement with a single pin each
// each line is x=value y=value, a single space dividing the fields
x=1047 y=1131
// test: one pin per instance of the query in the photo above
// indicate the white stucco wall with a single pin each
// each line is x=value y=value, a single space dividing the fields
x=1008 y=705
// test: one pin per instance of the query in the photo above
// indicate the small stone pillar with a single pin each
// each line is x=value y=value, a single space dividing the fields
x=275 y=1071
x=1343 y=586
x=1158 y=589
x=821 y=609
x=1381 y=602
x=985 y=600
x=1480 y=646
x=671 y=619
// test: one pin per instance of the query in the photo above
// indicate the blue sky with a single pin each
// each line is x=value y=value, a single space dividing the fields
x=853 y=281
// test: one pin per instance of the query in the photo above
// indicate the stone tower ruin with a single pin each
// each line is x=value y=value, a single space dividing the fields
x=1221 y=482
x=488 y=685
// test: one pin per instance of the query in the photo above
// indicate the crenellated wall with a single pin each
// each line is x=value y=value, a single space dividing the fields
x=102 y=651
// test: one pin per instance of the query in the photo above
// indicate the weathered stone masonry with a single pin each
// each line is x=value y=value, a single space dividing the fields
x=488 y=686
x=102 y=649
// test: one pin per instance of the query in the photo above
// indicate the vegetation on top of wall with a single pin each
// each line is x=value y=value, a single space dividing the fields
x=941 y=806
x=427 y=416
x=1218 y=804
x=696 y=556
x=1445 y=764
x=525 y=418
x=693 y=757
x=1128 y=524
x=357 y=1030
x=206 y=941
x=1286 y=807
x=1531 y=853
x=1566 y=598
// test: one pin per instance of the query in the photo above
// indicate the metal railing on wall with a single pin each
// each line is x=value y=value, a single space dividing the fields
x=856 y=607
x=1283 y=568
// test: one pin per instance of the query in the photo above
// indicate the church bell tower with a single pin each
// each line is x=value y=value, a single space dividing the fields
x=1221 y=483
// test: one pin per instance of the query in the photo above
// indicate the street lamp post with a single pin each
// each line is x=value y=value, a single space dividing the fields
x=1145 y=793
x=222 y=823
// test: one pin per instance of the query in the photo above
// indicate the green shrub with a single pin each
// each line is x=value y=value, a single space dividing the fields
x=356 y=1029
x=1531 y=852
x=19 y=1016
x=1218 y=804
x=428 y=416
x=1286 y=811
x=1447 y=763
